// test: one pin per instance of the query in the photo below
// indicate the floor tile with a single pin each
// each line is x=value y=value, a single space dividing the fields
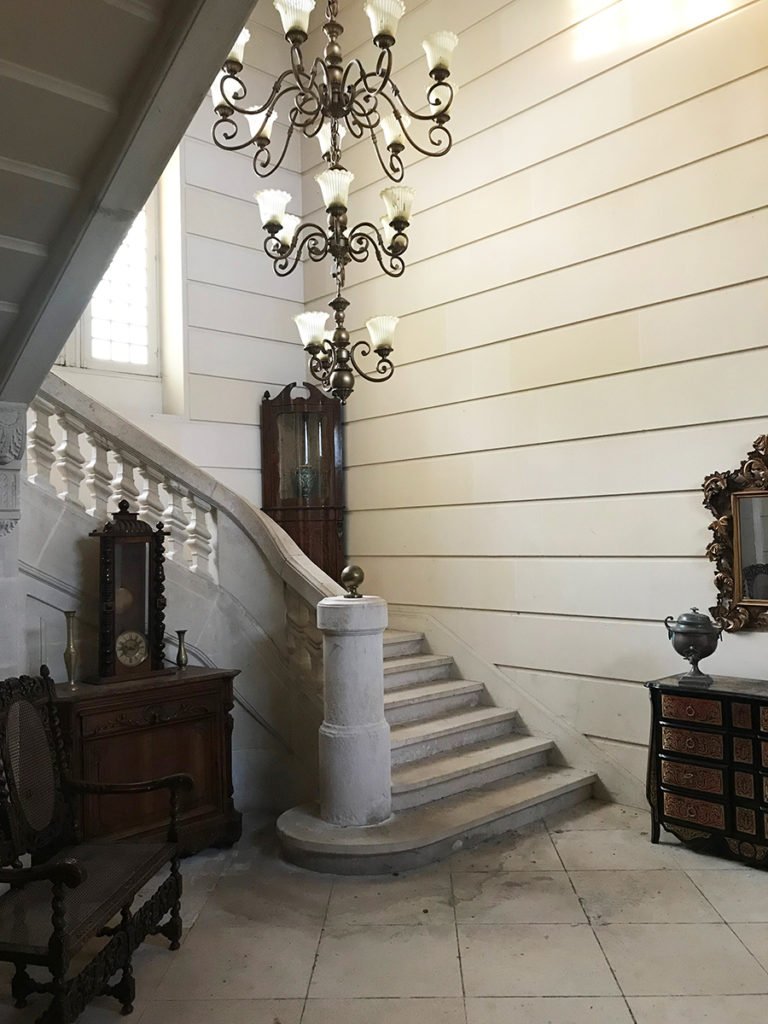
x=641 y=897
x=698 y=1009
x=680 y=959
x=612 y=849
x=384 y=1011
x=405 y=899
x=268 y=962
x=529 y=849
x=533 y=960
x=549 y=1010
x=594 y=814
x=223 y=1011
x=287 y=898
x=737 y=895
x=510 y=897
x=387 y=960
x=755 y=938
x=707 y=859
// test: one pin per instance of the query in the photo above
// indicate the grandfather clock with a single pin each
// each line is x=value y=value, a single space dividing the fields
x=302 y=472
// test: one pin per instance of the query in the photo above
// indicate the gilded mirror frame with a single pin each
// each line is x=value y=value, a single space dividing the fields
x=722 y=493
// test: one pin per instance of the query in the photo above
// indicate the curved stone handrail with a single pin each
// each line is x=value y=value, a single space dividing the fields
x=282 y=553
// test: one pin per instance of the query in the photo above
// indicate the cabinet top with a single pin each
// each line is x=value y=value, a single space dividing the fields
x=194 y=674
x=721 y=686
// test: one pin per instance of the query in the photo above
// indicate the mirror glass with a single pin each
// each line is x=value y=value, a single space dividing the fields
x=752 y=554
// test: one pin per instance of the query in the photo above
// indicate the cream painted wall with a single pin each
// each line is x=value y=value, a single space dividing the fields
x=238 y=336
x=583 y=338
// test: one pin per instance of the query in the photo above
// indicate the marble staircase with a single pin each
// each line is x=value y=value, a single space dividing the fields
x=462 y=770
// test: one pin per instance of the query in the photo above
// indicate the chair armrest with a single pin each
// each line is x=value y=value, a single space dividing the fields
x=64 y=872
x=178 y=782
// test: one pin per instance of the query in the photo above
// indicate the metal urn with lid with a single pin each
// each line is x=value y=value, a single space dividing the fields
x=694 y=636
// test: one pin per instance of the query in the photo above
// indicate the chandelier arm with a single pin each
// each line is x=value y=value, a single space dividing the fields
x=384 y=368
x=322 y=364
x=395 y=169
x=309 y=238
x=438 y=134
x=262 y=158
x=365 y=237
x=275 y=94
x=433 y=99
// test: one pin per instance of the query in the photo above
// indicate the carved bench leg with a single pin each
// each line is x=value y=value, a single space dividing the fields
x=21 y=986
x=172 y=929
x=125 y=989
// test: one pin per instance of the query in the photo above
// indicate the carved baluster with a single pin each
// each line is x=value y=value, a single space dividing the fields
x=41 y=445
x=175 y=523
x=151 y=505
x=123 y=484
x=70 y=460
x=199 y=538
x=98 y=477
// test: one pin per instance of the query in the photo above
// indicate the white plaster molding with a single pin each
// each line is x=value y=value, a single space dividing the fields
x=13 y=428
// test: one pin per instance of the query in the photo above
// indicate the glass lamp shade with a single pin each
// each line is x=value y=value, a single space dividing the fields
x=294 y=14
x=311 y=327
x=384 y=16
x=259 y=126
x=334 y=185
x=393 y=130
x=238 y=47
x=324 y=137
x=439 y=49
x=272 y=203
x=398 y=201
x=381 y=330
x=287 y=232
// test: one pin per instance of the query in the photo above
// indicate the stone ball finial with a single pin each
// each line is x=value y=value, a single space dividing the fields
x=352 y=577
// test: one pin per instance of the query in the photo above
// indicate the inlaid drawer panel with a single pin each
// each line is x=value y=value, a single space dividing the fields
x=691 y=776
x=742 y=750
x=700 y=744
x=741 y=715
x=764 y=753
x=746 y=820
x=765 y=789
x=702 y=812
x=744 y=785
x=763 y=719
x=692 y=709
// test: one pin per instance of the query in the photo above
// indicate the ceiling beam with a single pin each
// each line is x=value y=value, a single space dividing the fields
x=190 y=46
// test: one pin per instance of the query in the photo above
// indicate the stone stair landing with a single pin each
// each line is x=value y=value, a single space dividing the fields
x=462 y=770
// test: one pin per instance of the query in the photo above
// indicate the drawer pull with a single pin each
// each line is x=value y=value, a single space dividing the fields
x=690 y=743
x=691 y=812
x=690 y=711
x=687 y=776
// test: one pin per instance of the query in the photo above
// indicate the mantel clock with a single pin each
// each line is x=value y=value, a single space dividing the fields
x=131 y=598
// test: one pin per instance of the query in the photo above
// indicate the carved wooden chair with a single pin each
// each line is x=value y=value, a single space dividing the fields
x=73 y=890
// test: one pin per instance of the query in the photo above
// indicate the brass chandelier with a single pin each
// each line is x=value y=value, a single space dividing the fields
x=328 y=101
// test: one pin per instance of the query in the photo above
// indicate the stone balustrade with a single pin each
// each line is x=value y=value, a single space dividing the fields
x=93 y=470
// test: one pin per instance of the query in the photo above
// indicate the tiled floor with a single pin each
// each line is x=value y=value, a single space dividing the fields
x=578 y=920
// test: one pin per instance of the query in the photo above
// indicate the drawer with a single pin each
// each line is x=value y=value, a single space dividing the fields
x=685 y=741
x=744 y=785
x=764 y=753
x=763 y=719
x=692 y=776
x=702 y=812
x=692 y=709
x=144 y=716
x=742 y=750
x=741 y=715
x=746 y=821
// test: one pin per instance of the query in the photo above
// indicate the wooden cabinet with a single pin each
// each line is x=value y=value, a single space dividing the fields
x=708 y=764
x=302 y=472
x=145 y=728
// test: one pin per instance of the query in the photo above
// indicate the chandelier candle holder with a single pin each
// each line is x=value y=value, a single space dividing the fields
x=330 y=100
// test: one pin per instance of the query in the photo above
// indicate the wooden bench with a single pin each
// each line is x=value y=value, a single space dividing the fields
x=72 y=891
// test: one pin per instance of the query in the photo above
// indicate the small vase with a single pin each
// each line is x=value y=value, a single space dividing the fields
x=181 y=654
x=70 y=651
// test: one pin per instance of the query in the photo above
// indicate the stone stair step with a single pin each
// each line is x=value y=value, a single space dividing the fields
x=429 y=736
x=411 y=703
x=427 y=834
x=400 y=642
x=416 y=668
x=432 y=778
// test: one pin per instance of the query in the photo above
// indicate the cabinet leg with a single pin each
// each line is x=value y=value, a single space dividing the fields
x=655 y=829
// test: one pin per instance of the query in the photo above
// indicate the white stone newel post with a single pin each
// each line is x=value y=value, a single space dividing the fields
x=355 y=757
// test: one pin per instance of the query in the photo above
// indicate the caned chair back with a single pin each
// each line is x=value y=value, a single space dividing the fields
x=36 y=815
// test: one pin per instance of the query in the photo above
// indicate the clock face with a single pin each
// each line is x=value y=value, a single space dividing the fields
x=131 y=648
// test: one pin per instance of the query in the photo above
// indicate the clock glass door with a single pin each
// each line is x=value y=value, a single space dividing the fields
x=131 y=605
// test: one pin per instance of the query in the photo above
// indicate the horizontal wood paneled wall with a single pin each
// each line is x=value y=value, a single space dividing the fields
x=583 y=338
x=241 y=338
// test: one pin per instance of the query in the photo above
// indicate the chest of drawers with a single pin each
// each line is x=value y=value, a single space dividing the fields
x=708 y=764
